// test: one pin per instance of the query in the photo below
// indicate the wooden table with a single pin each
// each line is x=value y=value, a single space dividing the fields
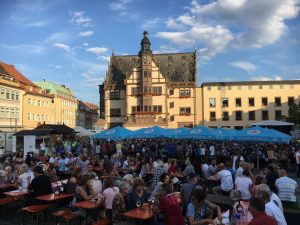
x=141 y=213
x=87 y=205
x=16 y=194
x=6 y=186
x=53 y=197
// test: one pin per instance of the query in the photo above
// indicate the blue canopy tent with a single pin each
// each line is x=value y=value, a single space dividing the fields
x=222 y=134
x=116 y=133
x=179 y=133
x=260 y=134
x=201 y=133
x=151 y=132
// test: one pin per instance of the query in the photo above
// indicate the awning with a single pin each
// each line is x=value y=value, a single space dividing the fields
x=34 y=132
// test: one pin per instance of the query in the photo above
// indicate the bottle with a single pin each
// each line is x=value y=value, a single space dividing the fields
x=239 y=208
x=232 y=217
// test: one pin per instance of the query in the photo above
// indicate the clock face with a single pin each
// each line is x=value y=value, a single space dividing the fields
x=145 y=59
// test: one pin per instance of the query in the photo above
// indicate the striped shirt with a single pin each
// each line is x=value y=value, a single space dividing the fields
x=286 y=189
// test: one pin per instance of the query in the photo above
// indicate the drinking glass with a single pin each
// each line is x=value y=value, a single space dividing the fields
x=138 y=203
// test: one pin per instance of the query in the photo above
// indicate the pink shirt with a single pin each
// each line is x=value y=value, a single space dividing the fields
x=109 y=194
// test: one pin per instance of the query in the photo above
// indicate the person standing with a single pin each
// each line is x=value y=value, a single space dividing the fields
x=235 y=159
x=297 y=156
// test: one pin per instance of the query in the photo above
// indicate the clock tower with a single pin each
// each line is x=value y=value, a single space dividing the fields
x=145 y=55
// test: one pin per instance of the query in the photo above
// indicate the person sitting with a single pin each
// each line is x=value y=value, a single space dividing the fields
x=119 y=206
x=109 y=193
x=271 y=208
x=189 y=169
x=157 y=172
x=164 y=179
x=244 y=185
x=26 y=177
x=9 y=178
x=257 y=209
x=273 y=197
x=90 y=171
x=200 y=211
x=187 y=188
x=286 y=188
x=137 y=194
x=40 y=185
x=226 y=181
x=169 y=206
x=83 y=193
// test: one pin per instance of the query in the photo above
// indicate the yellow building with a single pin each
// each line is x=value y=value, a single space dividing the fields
x=38 y=107
x=150 y=89
x=11 y=95
x=65 y=103
x=240 y=104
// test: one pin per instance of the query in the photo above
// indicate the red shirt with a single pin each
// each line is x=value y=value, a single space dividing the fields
x=263 y=219
x=172 y=169
x=170 y=207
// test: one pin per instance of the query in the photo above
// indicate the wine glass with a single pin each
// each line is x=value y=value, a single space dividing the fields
x=138 y=203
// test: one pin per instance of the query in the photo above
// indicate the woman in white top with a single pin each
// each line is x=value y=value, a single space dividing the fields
x=25 y=178
x=244 y=185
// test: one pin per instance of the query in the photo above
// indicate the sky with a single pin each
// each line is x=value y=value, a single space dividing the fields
x=70 y=41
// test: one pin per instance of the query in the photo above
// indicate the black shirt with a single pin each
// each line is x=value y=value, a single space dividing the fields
x=40 y=185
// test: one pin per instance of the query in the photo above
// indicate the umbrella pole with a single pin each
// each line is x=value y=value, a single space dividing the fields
x=257 y=159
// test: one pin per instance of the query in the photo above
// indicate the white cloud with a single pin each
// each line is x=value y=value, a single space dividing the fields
x=86 y=44
x=249 y=67
x=58 y=37
x=25 y=49
x=266 y=78
x=241 y=23
x=91 y=79
x=62 y=46
x=119 y=5
x=79 y=18
x=55 y=66
x=104 y=58
x=41 y=23
x=165 y=49
x=86 y=33
x=152 y=23
x=97 y=50
x=215 y=39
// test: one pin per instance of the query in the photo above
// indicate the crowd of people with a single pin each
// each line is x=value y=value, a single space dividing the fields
x=123 y=175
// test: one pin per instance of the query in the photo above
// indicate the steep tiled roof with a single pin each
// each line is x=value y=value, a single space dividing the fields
x=92 y=106
x=176 y=67
x=11 y=70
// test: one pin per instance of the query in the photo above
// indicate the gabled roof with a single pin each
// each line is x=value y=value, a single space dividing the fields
x=56 y=128
x=176 y=67
x=11 y=70
x=54 y=88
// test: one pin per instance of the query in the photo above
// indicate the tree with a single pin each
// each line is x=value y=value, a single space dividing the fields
x=294 y=114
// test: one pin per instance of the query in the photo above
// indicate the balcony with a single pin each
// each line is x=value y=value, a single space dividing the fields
x=145 y=121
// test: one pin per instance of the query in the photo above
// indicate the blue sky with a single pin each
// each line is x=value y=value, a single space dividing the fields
x=70 y=41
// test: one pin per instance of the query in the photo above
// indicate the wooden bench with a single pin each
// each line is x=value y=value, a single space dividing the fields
x=35 y=210
x=72 y=216
x=61 y=214
x=6 y=201
x=102 y=222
